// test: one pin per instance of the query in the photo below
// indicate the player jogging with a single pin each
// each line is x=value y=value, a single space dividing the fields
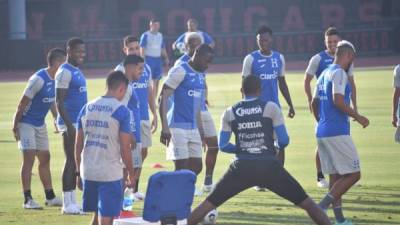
x=331 y=108
x=103 y=139
x=71 y=96
x=254 y=123
x=30 y=129
x=318 y=63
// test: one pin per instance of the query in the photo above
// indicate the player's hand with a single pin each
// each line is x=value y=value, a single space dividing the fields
x=154 y=124
x=362 y=120
x=291 y=112
x=165 y=137
x=56 y=130
x=16 y=133
x=130 y=180
x=310 y=107
x=394 y=120
x=79 y=182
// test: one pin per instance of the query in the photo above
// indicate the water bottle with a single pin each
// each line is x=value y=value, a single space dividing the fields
x=128 y=199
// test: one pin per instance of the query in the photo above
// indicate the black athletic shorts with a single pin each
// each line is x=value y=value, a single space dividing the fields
x=243 y=174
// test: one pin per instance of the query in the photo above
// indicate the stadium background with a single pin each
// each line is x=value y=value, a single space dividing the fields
x=373 y=26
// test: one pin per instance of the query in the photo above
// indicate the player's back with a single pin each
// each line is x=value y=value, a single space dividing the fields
x=333 y=121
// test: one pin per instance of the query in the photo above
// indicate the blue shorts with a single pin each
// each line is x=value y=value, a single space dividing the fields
x=156 y=65
x=103 y=197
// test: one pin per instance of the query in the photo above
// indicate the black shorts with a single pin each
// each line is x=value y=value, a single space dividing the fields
x=269 y=173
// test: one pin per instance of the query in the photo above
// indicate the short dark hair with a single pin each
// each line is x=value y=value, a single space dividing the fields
x=204 y=49
x=332 y=31
x=154 y=20
x=132 y=59
x=73 y=42
x=115 y=79
x=251 y=84
x=55 y=54
x=129 y=39
x=264 y=29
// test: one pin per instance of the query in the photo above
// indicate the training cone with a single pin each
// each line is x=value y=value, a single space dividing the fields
x=157 y=166
x=126 y=214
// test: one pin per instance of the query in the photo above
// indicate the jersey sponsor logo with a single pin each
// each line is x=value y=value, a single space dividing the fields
x=193 y=93
x=249 y=125
x=265 y=76
x=261 y=60
x=248 y=111
x=82 y=89
x=97 y=123
x=139 y=85
x=48 y=100
x=99 y=108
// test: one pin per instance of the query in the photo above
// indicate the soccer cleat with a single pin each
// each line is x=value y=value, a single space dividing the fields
x=54 y=202
x=30 y=204
x=346 y=222
x=322 y=183
x=208 y=188
x=260 y=189
x=71 y=209
x=139 y=196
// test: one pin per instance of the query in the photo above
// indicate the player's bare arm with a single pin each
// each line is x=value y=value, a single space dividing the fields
x=152 y=106
x=353 y=93
x=307 y=89
x=339 y=102
x=61 y=93
x=166 y=92
x=396 y=96
x=23 y=103
x=286 y=94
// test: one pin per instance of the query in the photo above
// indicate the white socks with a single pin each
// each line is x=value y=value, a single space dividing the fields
x=69 y=198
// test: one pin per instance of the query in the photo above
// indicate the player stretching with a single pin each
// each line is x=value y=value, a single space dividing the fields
x=143 y=89
x=331 y=108
x=192 y=25
x=317 y=64
x=396 y=103
x=71 y=96
x=103 y=139
x=192 y=40
x=30 y=129
x=254 y=123
x=152 y=48
x=182 y=131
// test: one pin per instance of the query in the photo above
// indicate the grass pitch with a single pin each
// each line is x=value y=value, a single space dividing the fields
x=376 y=201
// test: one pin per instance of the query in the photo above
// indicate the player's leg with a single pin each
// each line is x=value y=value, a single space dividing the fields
x=281 y=156
x=27 y=144
x=314 y=212
x=178 y=150
x=194 y=146
x=110 y=201
x=90 y=199
x=321 y=182
x=200 y=212
x=210 y=138
x=137 y=166
x=95 y=219
x=156 y=72
x=145 y=134
x=195 y=165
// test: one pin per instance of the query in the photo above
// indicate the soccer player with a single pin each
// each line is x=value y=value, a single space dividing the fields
x=30 y=129
x=143 y=89
x=152 y=49
x=192 y=40
x=331 y=109
x=103 y=139
x=182 y=132
x=396 y=103
x=254 y=123
x=317 y=64
x=269 y=66
x=71 y=96
x=192 y=25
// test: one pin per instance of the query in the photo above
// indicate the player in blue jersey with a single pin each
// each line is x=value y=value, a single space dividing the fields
x=317 y=64
x=152 y=48
x=192 y=25
x=269 y=66
x=143 y=88
x=396 y=103
x=102 y=148
x=255 y=123
x=30 y=129
x=331 y=109
x=192 y=40
x=71 y=96
x=182 y=132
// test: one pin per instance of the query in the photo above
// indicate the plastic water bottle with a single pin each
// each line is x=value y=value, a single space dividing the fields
x=128 y=199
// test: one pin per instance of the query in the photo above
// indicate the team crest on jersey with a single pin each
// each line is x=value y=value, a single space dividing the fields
x=274 y=63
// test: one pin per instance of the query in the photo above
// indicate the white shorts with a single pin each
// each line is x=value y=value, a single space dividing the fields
x=338 y=155
x=145 y=133
x=137 y=156
x=32 y=137
x=184 y=144
x=208 y=124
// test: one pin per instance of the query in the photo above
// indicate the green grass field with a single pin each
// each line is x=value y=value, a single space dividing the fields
x=376 y=201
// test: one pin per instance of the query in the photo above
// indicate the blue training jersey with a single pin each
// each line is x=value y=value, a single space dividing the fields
x=332 y=121
x=71 y=78
x=325 y=61
x=41 y=91
x=205 y=38
x=153 y=43
x=131 y=101
x=188 y=86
